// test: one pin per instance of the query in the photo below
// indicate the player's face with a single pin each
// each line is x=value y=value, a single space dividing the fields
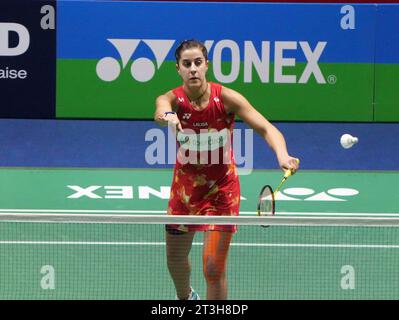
x=192 y=67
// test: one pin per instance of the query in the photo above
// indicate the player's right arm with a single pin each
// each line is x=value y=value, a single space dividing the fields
x=164 y=110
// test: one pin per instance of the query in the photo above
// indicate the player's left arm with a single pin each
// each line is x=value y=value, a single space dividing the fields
x=236 y=103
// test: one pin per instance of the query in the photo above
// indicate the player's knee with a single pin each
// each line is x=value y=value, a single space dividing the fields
x=213 y=271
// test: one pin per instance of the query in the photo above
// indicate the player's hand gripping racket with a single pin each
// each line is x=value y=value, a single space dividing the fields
x=266 y=201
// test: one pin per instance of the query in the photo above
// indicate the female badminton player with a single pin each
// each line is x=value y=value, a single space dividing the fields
x=205 y=184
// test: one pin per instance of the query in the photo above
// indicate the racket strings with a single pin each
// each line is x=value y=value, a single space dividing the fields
x=266 y=202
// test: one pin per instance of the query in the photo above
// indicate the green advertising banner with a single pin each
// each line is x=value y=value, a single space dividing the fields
x=321 y=70
x=387 y=92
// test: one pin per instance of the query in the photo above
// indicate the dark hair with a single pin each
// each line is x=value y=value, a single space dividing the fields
x=188 y=44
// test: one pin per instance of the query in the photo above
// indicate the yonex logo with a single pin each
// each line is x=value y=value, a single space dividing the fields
x=141 y=69
x=186 y=116
x=254 y=60
x=260 y=61
x=163 y=192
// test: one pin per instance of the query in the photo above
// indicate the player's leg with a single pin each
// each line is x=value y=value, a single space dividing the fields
x=216 y=247
x=178 y=245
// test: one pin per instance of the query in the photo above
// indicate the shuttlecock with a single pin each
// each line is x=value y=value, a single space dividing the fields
x=347 y=141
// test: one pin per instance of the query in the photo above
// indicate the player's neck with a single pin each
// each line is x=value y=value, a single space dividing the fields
x=196 y=97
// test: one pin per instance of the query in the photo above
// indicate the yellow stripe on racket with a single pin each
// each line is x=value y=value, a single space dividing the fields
x=287 y=174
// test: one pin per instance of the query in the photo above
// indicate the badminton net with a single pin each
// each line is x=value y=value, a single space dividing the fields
x=93 y=256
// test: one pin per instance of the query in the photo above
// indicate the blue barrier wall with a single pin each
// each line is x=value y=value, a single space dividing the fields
x=121 y=144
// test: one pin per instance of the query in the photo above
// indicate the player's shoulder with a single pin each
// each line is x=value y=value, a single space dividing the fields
x=229 y=94
x=170 y=96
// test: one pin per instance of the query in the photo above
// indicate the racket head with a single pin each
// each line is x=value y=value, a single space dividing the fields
x=266 y=202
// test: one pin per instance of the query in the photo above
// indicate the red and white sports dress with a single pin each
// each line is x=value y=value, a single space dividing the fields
x=205 y=180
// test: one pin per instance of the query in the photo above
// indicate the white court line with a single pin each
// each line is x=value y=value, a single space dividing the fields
x=149 y=212
x=287 y=245
x=81 y=211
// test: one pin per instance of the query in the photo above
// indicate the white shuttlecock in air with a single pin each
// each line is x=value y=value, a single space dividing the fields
x=347 y=141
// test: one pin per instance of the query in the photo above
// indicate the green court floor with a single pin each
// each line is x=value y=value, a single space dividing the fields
x=114 y=261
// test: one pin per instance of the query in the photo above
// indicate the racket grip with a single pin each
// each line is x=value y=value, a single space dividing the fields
x=288 y=173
